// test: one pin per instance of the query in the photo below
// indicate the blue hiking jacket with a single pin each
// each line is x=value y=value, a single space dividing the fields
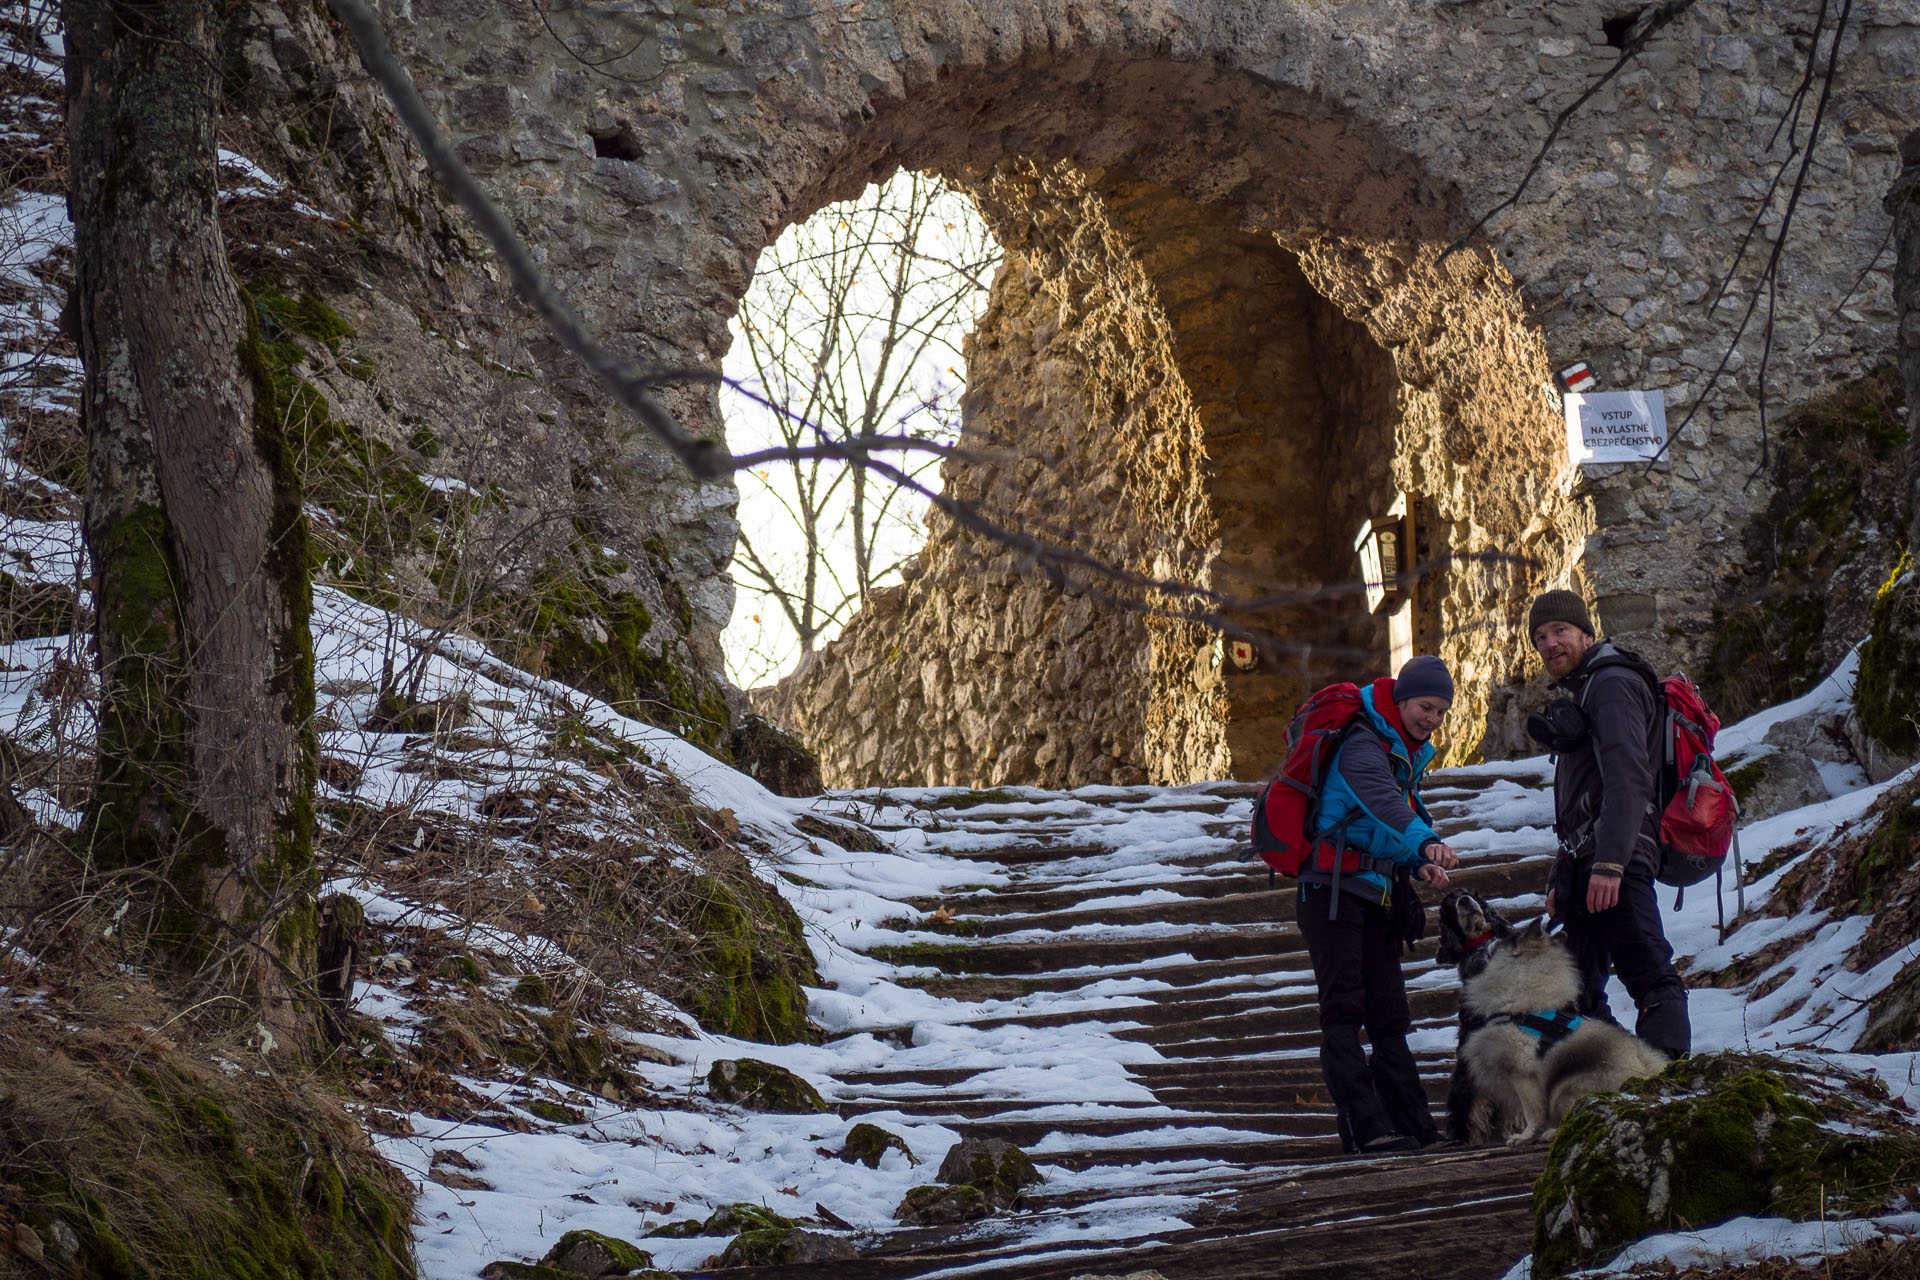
x=1371 y=800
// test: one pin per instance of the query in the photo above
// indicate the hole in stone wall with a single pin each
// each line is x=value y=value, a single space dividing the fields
x=852 y=327
x=1615 y=28
x=615 y=145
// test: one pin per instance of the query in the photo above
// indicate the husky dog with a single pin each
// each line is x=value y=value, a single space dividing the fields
x=1467 y=925
x=1532 y=1058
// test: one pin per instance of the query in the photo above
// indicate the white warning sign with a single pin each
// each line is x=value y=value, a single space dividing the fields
x=1615 y=426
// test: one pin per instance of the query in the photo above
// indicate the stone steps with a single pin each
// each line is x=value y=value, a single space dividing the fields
x=1226 y=1125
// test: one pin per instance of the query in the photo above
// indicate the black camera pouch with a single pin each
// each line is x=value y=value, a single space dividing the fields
x=1561 y=727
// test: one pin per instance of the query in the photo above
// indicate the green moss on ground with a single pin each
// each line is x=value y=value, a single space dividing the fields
x=752 y=952
x=555 y=1112
x=971 y=799
x=1887 y=693
x=949 y=957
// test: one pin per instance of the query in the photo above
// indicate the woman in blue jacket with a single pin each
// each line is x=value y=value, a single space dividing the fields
x=1350 y=912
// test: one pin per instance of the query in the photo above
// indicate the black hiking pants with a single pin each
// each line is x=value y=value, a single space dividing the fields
x=1630 y=937
x=1356 y=966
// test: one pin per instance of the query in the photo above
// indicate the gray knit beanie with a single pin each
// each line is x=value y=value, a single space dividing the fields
x=1423 y=677
x=1558 y=606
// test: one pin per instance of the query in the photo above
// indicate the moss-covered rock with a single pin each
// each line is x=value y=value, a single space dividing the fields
x=867 y=1143
x=1712 y=1138
x=774 y=758
x=784 y=1248
x=998 y=1168
x=762 y=1086
x=681 y=1230
x=943 y=1206
x=1773 y=782
x=1887 y=695
x=586 y=630
x=756 y=965
x=731 y=1218
x=590 y=1254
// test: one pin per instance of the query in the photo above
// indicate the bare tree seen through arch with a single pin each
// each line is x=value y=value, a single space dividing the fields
x=850 y=333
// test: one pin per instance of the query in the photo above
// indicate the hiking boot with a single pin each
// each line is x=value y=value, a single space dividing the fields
x=1390 y=1142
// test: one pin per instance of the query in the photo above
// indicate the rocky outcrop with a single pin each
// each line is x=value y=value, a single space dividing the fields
x=457 y=464
x=1714 y=1138
x=1887 y=695
x=1818 y=552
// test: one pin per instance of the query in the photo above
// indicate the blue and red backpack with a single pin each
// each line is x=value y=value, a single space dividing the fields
x=1284 y=812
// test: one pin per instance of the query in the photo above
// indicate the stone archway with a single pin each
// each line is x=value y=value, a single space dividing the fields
x=655 y=153
x=1197 y=379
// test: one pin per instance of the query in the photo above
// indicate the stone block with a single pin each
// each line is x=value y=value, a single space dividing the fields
x=483 y=107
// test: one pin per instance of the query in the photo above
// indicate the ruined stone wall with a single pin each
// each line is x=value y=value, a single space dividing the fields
x=650 y=149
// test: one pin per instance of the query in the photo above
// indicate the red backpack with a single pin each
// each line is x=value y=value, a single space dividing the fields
x=1283 y=813
x=1698 y=808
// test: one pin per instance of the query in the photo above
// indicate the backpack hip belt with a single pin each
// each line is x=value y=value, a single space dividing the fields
x=1382 y=867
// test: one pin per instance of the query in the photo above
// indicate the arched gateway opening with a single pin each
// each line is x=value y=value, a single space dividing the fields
x=1223 y=340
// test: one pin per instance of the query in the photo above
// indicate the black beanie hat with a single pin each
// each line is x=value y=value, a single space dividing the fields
x=1423 y=677
x=1558 y=606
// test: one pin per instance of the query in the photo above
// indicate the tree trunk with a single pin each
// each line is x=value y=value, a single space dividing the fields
x=1904 y=204
x=194 y=526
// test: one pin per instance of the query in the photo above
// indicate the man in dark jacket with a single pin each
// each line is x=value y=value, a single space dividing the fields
x=1606 y=816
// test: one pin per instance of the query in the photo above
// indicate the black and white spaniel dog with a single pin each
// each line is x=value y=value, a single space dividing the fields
x=1467 y=924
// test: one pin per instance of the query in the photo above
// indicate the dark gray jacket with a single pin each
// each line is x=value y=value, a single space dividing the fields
x=1604 y=807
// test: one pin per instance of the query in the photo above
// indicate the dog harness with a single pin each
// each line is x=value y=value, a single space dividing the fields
x=1548 y=1027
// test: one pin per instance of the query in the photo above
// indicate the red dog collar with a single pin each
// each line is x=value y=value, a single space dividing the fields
x=1475 y=943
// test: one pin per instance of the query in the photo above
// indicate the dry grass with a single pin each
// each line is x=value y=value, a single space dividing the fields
x=160 y=1155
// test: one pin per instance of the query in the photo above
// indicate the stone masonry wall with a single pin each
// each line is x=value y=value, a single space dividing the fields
x=651 y=148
